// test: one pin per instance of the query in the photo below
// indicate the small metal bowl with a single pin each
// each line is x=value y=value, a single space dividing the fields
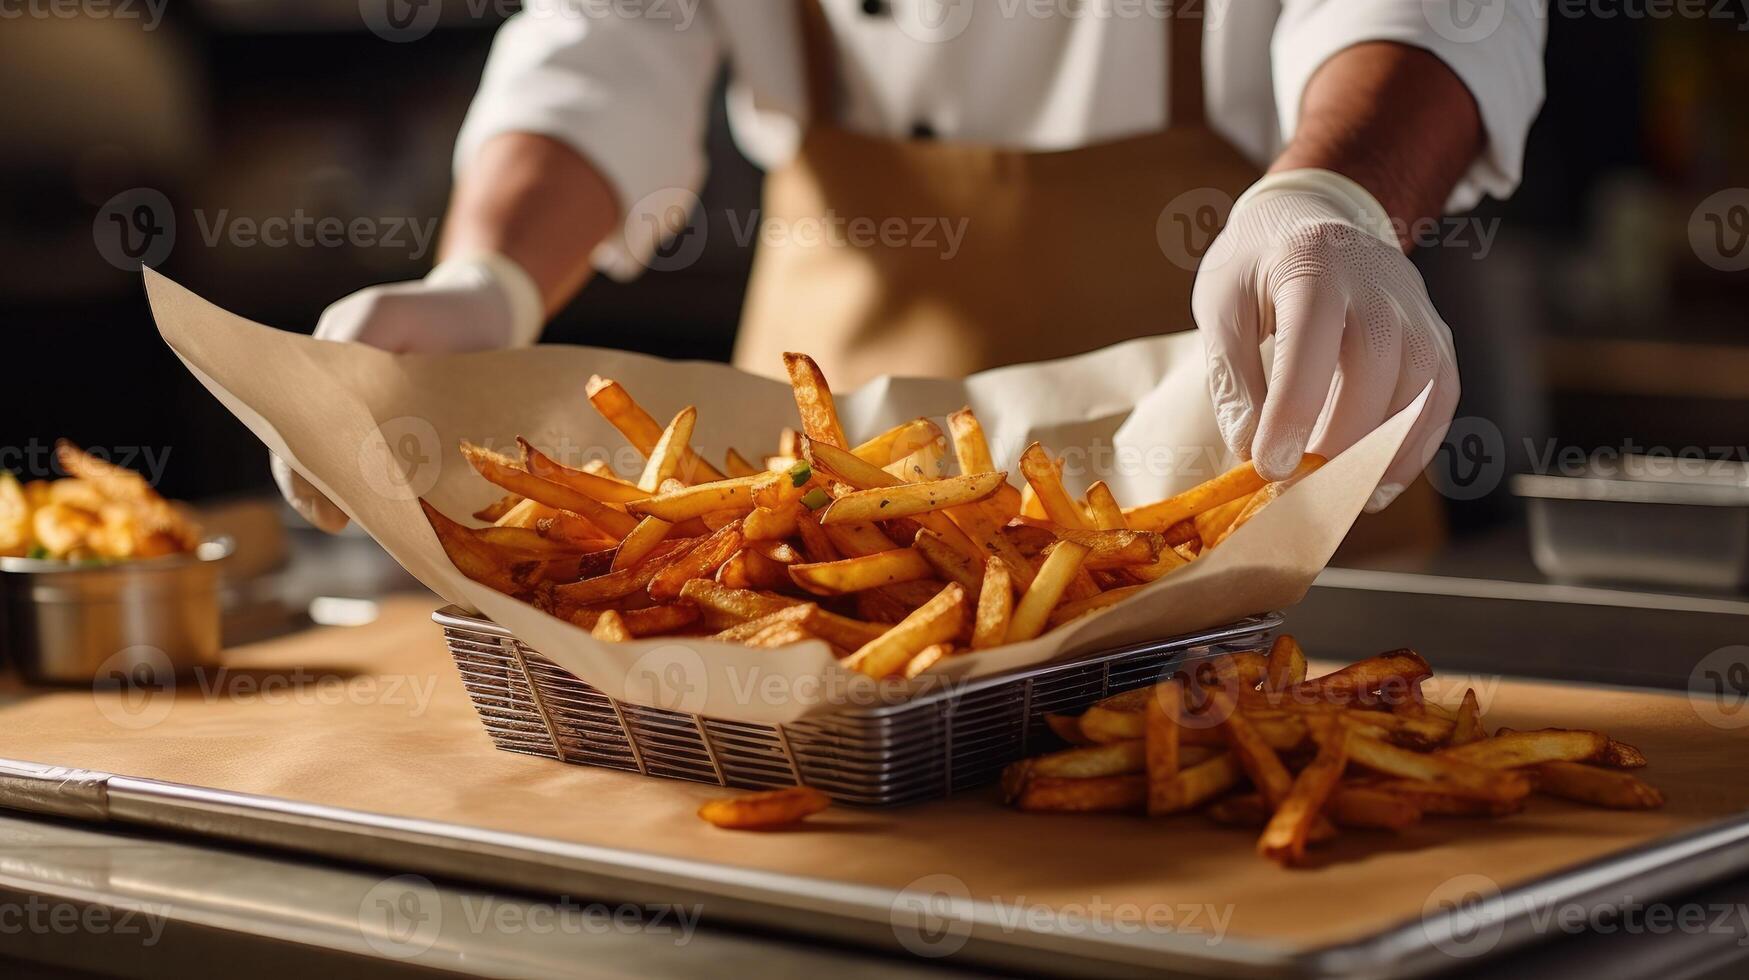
x=71 y=622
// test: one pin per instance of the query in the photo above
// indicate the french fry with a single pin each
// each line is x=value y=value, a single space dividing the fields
x=610 y=627
x=640 y=429
x=1046 y=480
x=859 y=540
x=950 y=564
x=748 y=569
x=490 y=513
x=1284 y=838
x=1468 y=727
x=1067 y=611
x=904 y=500
x=778 y=635
x=1098 y=794
x=846 y=467
x=1115 y=759
x=1212 y=524
x=937 y=621
x=602 y=488
x=701 y=561
x=1395 y=672
x=643 y=539
x=1239 y=482
x=1034 y=609
x=659 y=620
x=898 y=442
x=671 y=448
x=469 y=556
x=772 y=524
x=757 y=811
x=1309 y=462
x=862 y=572
x=1620 y=755
x=814 y=401
x=995 y=606
x=1453 y=777
x=1286 y=666
x=1516 y=749
x=1610 y=788
x=730 y=495
x=1251 y=750
x=972 y=451
x=1160 y=723
x=1102 y=509
x=626 y=581
x=735 y=464
x=926 y=658
x=1197 y=784
x=503 y=471
x=1067 y=728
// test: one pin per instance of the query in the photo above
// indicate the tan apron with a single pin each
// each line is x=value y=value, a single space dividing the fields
x=1061 y=252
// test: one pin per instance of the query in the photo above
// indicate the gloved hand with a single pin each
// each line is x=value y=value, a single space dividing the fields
x=1309 y=256
x=483 y=302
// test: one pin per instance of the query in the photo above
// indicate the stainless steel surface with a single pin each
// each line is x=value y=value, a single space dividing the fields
x=1686 y=535
x=74 y=623
x=953 y=738
x=891 y=920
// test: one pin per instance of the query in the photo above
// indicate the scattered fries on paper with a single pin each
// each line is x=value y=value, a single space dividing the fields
x=763 y=811
x=1249 y=741
x=100 y=512
x=867 y=546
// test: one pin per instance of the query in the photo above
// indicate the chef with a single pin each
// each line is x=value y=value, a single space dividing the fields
x=1066 y=155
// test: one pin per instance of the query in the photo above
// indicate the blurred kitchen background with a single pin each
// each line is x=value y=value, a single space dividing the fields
x=1602 y=307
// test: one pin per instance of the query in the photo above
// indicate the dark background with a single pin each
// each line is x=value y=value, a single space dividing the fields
x=1592 y=319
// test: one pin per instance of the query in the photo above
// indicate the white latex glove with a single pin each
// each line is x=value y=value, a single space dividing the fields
x=1309 y=256
x=483 y=302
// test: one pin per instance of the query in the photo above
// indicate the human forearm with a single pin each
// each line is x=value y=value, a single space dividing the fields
x=538 y=203
x=1395 y=120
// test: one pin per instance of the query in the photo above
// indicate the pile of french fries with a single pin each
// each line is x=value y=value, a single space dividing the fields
x=869 y=547
x=1248 y=740
x=100 y=512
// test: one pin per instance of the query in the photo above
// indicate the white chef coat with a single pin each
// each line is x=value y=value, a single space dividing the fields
x=626 y=82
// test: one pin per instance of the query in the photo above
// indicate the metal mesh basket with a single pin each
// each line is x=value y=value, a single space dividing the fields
x=926 y=748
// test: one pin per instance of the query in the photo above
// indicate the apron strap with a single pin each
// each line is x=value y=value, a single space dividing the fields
x=1184 y=95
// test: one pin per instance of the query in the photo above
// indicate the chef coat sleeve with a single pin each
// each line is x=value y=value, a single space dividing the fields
x=625 y=85
x=1494 y=48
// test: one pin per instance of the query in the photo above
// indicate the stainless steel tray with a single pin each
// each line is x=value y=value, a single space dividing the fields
x=842 y=912
x=938 y=743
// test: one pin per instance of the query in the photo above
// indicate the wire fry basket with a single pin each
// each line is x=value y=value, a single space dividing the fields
x=938 y=743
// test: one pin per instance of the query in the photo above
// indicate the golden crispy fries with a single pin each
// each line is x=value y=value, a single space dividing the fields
x=671 y=447
x=1237 y=483
x=1160 y=724
x=1097 y=794
x=469 y=556
x=846 y=467
x=995 y=606
x=1115 y=549
x=859 y=540
x=1046 y=479
x=1286 y=665
x=1262 y=498
x=730 y=495
x=1284 y=838
x=1517 y=749
x=772 y=524
x=899 y=442
x=735 y=464
x=937 y=621
x=643 y=539
x=972 y=451
x=605 y=489
x=1067 y=728
x=1620 y=755
x=748 y=569
x=1468 y=727
x=1396 y=673
x=928 y=657
x=814 y=401
x=492 y=513
x=1251 y=750
x=1197 y=784
x=610 y=627
x=1449 y=776
x=1212 y=524
x=1115 y=759
x=862 y=572
x=151 y=514
x=1034 y=609
x=1599 y=787
x=640 y=429
x=950 y=564
x=504 y=472
x=700 y=562
x=1102 y=509
x=886 y=503
x=1080 y=607
x=624 y=582
x=757 y=811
